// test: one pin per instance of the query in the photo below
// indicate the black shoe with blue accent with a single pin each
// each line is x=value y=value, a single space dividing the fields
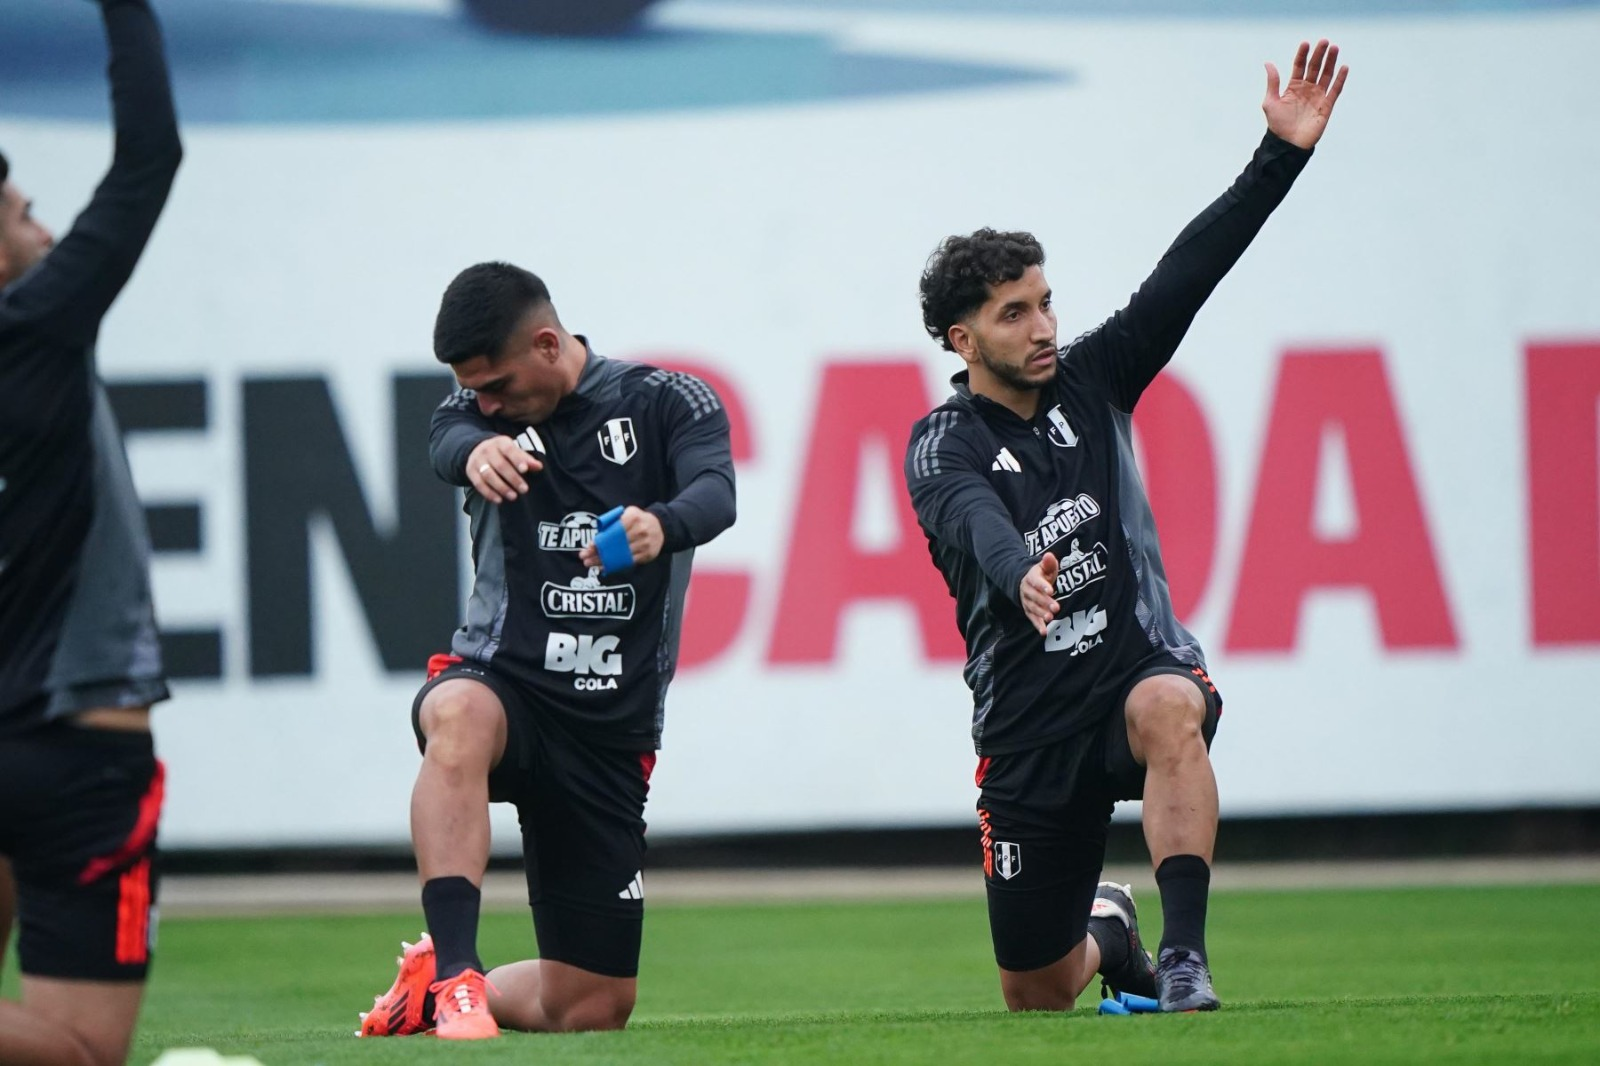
x=1125 y=965
x=1185 y=981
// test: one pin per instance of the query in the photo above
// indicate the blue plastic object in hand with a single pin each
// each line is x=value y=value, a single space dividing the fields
x=611 y=541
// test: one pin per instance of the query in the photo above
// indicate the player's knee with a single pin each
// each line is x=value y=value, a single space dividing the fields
x=454 y=723
x=80 y=1050
x=1166 y=709
x=1021 y=999
x=596 y=1012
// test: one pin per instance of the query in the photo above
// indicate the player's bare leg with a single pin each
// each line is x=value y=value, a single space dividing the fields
x=1166 y=714
x=1053 y=987
x=69 y=1023
x=541 y=995
x=464 y=729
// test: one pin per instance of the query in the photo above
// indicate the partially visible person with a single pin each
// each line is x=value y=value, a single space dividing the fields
x=80 y=785
x=8 y=905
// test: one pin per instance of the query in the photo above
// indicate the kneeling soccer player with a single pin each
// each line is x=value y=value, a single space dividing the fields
x=552 y=697
x=1086 y=687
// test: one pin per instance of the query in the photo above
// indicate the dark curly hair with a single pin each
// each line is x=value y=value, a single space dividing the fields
x=961 y=270
x=481 y=308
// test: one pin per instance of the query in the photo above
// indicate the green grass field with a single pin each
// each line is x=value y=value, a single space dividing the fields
x=1492 y=975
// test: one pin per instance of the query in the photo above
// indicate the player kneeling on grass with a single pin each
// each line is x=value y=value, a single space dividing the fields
x=80 y=663
x=1086 y=687
x=589 y=484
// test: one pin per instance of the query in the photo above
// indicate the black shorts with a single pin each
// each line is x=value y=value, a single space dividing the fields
x=78 y=815
x=1043 y=815
x=581 y=808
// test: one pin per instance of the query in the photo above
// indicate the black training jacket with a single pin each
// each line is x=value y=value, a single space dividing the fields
x=597 y=650
x=74 y=551
x=993 y=492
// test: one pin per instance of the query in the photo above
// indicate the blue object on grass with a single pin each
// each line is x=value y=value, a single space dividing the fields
x=1139 y=1004
x=1128 y=1003
x=612 y=543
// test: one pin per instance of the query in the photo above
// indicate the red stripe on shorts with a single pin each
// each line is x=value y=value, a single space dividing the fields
x=133 y=915
x=438 y=664
x=144 y=830
x=988 y=841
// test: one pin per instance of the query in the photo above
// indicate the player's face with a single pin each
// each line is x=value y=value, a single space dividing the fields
x=523 y=384
x=1014 y=332
x=23 y=240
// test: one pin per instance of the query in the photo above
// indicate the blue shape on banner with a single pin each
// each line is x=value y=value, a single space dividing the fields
x=273 y=61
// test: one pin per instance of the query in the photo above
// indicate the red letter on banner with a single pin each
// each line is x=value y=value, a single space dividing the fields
x=1180 y=474
x=825 y=571
x=718 y=599
x=1391 y=553
x=1564 y=492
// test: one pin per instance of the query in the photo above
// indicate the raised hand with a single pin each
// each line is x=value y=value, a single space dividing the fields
x=1299 y=113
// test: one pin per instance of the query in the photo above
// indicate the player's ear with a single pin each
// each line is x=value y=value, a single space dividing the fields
x=547 y=343
x=962 y=340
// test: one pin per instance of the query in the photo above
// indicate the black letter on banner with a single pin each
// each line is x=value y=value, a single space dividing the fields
x=297 y=469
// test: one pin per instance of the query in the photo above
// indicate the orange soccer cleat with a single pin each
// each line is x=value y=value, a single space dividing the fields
x=463 y=1011
x=403 y=1010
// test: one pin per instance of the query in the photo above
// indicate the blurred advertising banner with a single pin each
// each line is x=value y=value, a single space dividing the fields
x=1373 y=462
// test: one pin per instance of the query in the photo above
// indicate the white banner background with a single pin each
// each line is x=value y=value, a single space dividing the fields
x=1448 y=221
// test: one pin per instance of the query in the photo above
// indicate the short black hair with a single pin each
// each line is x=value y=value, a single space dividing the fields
x=481 y=308
x=961 y=270
x=5 y=168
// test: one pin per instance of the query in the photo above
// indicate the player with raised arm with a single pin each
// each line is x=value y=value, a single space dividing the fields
x=1086 y=687
x=589 y=483
x=80 y=664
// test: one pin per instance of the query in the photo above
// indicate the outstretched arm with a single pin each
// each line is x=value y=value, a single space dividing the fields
x=71 y=290
x=1130 y=348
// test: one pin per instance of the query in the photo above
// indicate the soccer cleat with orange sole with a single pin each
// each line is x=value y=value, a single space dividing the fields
x=403 y=1010
x=463 y=1007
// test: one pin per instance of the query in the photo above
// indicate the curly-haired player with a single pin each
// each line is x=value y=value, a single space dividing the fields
x=1086 y=687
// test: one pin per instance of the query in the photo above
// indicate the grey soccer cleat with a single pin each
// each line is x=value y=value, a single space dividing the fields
x=1137 y=974
x=1185 y=981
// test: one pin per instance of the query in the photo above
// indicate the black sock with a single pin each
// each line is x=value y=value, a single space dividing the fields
x=1112 y=936
x=1185 y=883
x=450 y=905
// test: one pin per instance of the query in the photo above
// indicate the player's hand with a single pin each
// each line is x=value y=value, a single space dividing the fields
x=1299 y=113
x=1039 y=592
x=496 y=469
x=645 y=538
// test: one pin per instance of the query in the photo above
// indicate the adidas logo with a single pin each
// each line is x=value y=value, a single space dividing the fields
x=635 y=889
x=1006 y=461
x=530 y=441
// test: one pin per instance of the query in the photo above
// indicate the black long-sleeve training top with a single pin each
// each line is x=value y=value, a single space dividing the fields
x=993 y=492
x=74 y=552
x=598 y=650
